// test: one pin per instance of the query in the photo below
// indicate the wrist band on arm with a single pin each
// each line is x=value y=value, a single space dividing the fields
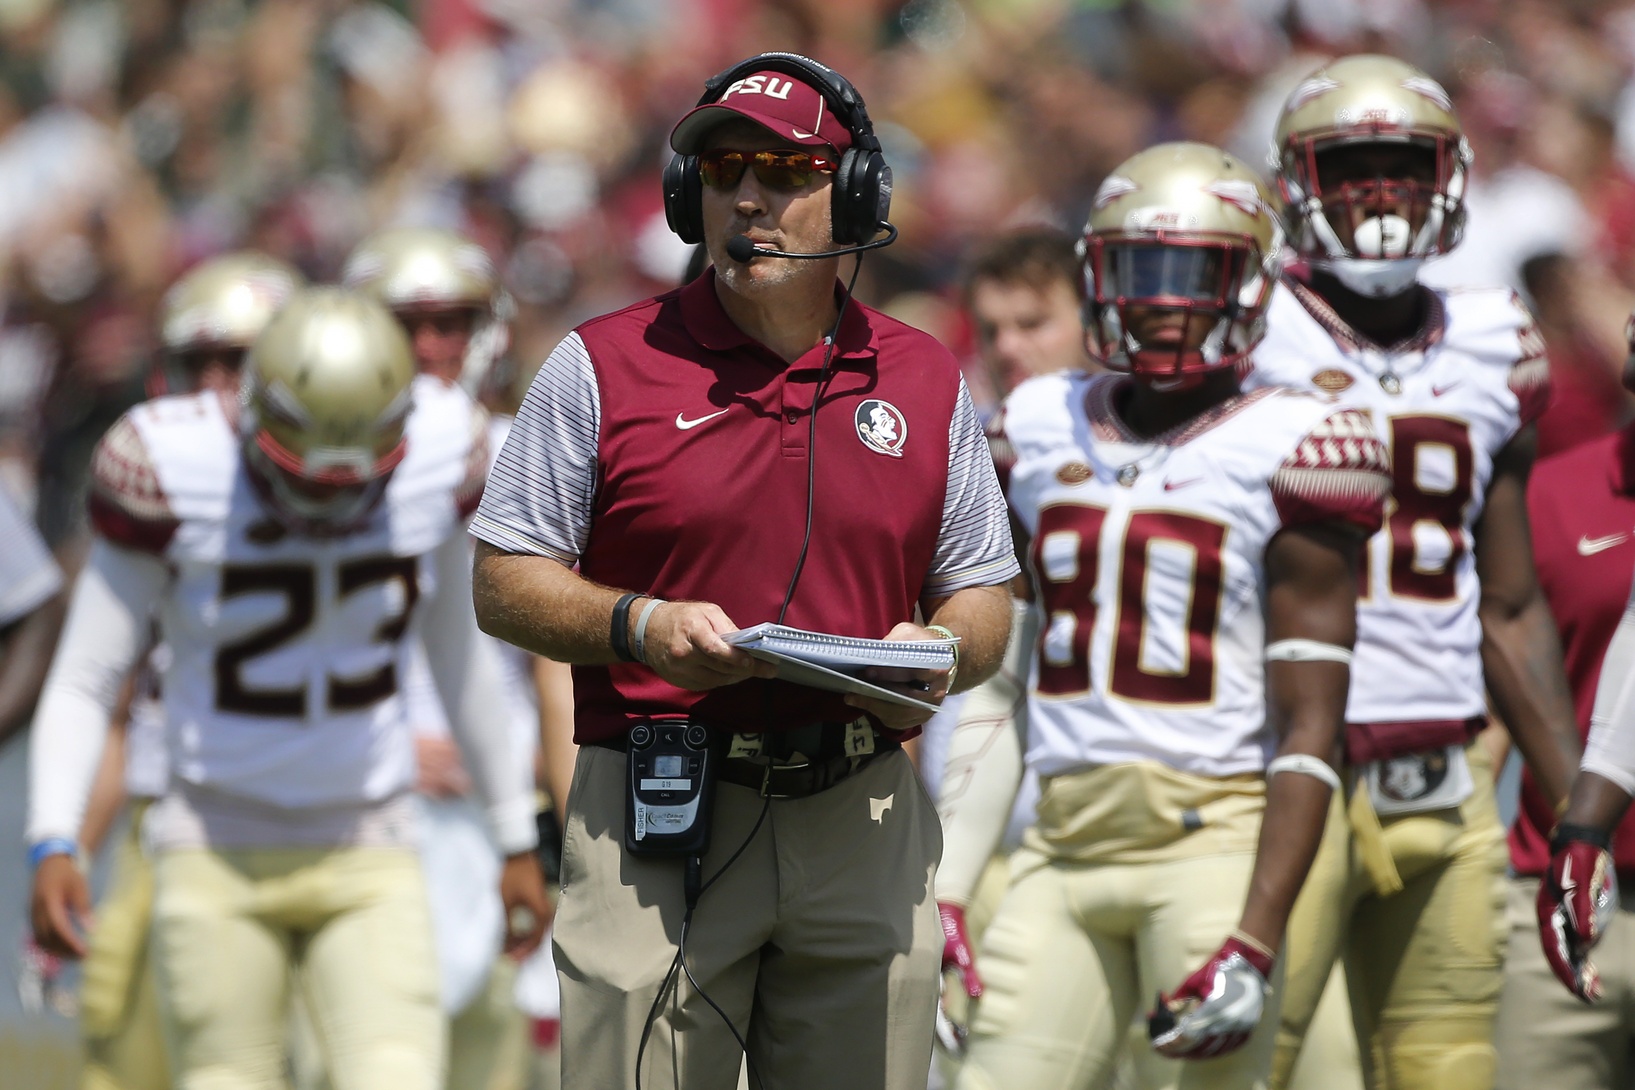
x=619 y=637
x=56 y=845
x=1589 y=834
x=639 y=641
x=943 y=631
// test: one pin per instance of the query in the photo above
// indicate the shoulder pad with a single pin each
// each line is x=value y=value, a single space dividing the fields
x=1338 y=472
x=127 y=505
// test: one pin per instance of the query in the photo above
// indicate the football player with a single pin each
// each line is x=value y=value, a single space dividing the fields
x=443 y=290
x=207 y=322
x=291 y=546
x=1193 y=550
x=1409 y=886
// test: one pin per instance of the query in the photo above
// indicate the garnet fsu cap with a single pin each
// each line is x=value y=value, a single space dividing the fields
x=774 y=100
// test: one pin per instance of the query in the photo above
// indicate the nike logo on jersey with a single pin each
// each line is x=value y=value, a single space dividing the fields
x=1438 y=391
x=1589 y=546
x=1171 y=486
x=683 y=423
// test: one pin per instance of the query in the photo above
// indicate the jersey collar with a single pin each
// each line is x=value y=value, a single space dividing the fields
x=1353 y=342
x=707 y=323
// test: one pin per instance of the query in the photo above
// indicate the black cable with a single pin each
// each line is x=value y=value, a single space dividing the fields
x=811 y=441
x=692 y=889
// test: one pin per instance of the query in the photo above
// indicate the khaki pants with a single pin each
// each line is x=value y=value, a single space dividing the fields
x=233 y=927
x=821 y=941
x=1546 y=1036
x=1415 y=906
x=1081 y=948
x=119 y=1007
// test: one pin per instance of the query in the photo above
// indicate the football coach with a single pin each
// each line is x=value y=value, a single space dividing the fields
x=754 y=447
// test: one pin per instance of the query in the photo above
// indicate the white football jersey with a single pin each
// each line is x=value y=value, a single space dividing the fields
x=1148 y=558
x=1444 y=404
x=286 y=652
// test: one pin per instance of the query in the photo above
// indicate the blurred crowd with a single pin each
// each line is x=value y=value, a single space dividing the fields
x=138 y=137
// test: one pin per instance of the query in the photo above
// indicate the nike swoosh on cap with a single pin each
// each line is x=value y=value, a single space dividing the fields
x=683 y=423
x=1589 y=546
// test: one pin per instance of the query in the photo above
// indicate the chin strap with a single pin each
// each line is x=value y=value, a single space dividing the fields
x=1377 y=279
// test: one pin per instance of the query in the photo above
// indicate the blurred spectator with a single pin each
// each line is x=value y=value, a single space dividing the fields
x=1587 y=401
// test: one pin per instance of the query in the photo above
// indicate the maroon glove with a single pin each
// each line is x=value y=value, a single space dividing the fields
x=1216 y=1008
x=1576 y=902
x=956 y=948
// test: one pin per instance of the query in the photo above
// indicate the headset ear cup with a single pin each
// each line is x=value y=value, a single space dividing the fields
x=684 y=198
x=843 y=201
x=862 y=196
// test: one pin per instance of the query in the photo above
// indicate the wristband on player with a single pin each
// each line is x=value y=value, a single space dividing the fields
x=619 y=636
x=1561 y=835
x=55 y=845
x=941 y=630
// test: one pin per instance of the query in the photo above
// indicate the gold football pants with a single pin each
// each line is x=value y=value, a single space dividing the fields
x=1415 y=904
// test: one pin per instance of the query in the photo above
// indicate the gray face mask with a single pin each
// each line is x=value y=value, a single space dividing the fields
x=1376 y=279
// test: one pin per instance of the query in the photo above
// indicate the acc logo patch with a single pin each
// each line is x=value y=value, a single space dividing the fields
x=1074 y=473
x=1332 y=381
x=882 y=427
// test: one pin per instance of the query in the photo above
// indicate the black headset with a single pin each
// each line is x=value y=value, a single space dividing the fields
x=862 y=182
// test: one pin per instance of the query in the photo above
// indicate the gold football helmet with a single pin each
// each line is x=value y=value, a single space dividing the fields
x=1179 y=229
x=418 y=271
x=326 y=396
x=1372 y=166
x=215 y=310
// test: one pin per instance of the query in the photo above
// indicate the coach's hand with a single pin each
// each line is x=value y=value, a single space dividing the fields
x=927 y=685
x=684 y=647
x=1215 y=1010
x=528 y=909
x=60 y=907
x=1577 y=899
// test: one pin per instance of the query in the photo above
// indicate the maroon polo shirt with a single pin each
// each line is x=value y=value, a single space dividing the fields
x=703 y=459
x=1581 y=504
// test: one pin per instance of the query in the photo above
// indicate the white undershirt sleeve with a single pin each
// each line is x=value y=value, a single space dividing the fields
x=467 y=671
x=106 y=632
x=984 y=767
x=1610 y=750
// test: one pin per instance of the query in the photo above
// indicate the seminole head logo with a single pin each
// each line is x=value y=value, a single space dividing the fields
x=882 y=426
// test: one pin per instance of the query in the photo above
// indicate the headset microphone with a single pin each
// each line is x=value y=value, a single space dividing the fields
x=741 y=248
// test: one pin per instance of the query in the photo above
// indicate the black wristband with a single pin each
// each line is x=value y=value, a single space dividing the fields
x=1589 y=834
x=619 y=637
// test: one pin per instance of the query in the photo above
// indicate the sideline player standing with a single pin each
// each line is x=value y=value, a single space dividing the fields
x=1408 y=887
x=207 y=322
x=756 y=446
x=288 y=547
x=1181 y=534
x=444 y=291
x=1582 y=504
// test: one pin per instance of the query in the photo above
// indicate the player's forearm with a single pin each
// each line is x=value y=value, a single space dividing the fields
x=1521 y=661
x=1596 y=802
x=543 y=606
x=1290 y=831
x=105 y=633
x=467 y=671
x=981 y=618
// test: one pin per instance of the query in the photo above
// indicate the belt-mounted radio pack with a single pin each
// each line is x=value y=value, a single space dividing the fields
x=671 y=789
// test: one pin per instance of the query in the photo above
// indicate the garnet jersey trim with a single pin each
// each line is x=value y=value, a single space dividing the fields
x=127 y=504
x=1340 y=470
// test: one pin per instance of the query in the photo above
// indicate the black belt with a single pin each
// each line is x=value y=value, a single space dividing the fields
x=792 y=764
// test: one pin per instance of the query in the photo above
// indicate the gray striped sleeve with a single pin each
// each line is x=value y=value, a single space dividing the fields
x=28 y=575
x=540 y=492
x=974 y=547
